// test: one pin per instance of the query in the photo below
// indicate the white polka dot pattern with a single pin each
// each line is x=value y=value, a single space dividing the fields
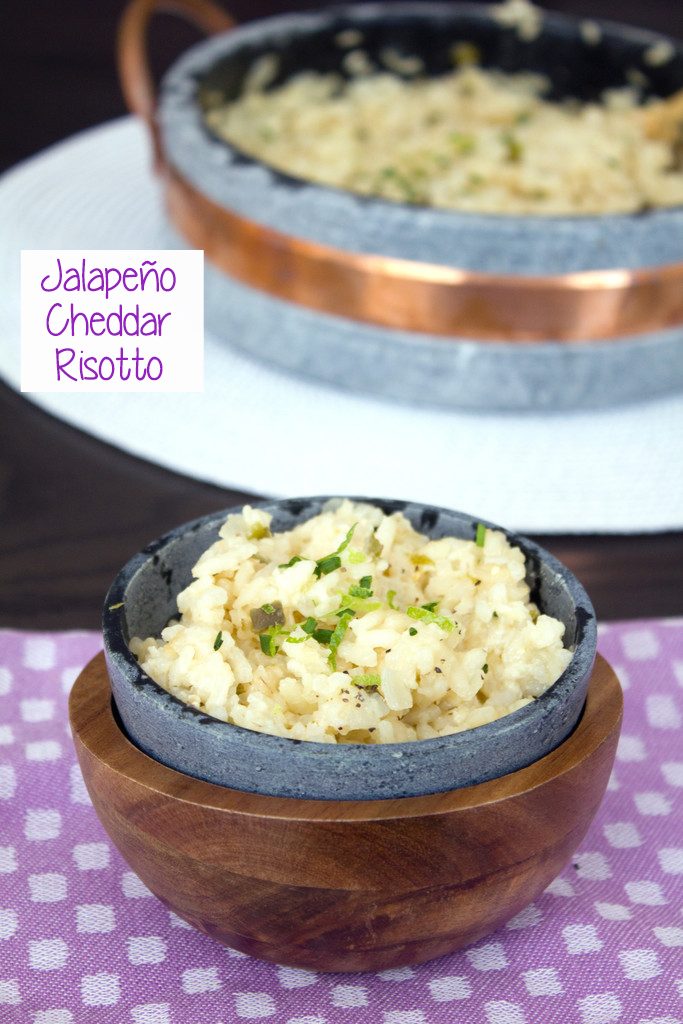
x=83 y=939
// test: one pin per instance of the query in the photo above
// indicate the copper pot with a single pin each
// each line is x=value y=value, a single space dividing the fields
x=573 y=311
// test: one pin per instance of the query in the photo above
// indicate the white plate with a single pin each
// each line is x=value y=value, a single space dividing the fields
x=261 y=430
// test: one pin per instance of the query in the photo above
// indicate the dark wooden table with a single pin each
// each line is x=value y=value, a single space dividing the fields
x=72 y=509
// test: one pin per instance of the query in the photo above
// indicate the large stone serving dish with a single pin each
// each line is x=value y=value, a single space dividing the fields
x=454 y=309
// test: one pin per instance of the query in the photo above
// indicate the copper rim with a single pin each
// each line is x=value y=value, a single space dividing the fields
x=423 y=297
x=383 y=291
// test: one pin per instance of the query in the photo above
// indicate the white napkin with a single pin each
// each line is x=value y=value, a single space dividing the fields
x=261 y=430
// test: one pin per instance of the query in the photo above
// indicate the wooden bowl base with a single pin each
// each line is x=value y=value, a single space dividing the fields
x=345 y=886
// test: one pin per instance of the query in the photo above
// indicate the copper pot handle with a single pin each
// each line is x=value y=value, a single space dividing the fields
x=134 y=72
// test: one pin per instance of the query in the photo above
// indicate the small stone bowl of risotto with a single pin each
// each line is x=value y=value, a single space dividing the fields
x=346 y=735
x=336 y=649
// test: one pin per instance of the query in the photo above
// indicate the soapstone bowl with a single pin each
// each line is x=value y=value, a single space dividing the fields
x=143 y=598
x=430 y=306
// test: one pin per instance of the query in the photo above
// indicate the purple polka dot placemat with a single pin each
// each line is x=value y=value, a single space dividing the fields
x=82 y=939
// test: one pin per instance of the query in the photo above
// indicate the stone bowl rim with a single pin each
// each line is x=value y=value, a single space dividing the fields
x=576 y=672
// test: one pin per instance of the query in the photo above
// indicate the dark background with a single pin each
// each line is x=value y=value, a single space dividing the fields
x=59 y=75
x=72 y=509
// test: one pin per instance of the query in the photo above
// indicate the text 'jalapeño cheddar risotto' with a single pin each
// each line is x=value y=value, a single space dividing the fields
x=355 y=628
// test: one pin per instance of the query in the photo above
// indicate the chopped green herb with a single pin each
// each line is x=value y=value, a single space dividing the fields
x=218 y=642
x=323 y=636
x=336 y=639
x=309 y=626
x=424 y=615
x=267 y=608
x=347 y=540
x=357 y=605
x=375 y=547
x=484 y=668
x=390 y=600
x=345 y=611
x=113 y=607
x=480 y=538
x=268 y=645
x=356 y=557
x=326 y=565
x=431 y=606
x=293 y=560
x=412 y=631
x=369 y=681
x=495 y=615
x=329 y=563
x=362 y=589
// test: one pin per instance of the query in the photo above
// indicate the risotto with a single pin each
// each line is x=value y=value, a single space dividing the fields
x=355 y=628
x=474 y=139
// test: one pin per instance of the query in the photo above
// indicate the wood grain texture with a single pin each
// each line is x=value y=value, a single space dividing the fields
x=345 y=886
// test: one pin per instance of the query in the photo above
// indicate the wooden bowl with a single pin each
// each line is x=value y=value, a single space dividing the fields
x=345 y=886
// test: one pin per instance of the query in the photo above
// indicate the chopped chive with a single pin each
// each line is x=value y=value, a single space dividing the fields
x=267 y=642
x=412 y=631
x=480 y=538
x=366 y=581
x=347 y=540
x=218 y=642
x=293 y=560
x=495 y=615
x=268 y=608
x=431 y=606
x=354 y=605
x=113 y=607
x=327 y=565
x=360 y=591
x=390 y=600
x=323 y=636
x=356 y=557
x=424 y=615
x=309 y=626
x=484 y=668
x=336 y=639
x=366 y=680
